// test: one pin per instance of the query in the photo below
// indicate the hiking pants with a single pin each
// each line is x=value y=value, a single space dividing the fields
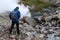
x=17 y=26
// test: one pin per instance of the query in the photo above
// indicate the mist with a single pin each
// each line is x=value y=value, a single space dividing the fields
x=9 y=5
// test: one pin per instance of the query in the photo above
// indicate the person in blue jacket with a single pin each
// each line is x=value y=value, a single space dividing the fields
x=16 y=20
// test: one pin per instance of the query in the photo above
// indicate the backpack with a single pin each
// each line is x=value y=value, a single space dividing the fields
x=14 y=15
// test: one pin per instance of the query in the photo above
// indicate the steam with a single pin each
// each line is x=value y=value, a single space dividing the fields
x=9 y=5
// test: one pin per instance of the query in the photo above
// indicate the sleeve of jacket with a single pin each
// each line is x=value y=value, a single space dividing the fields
x=19 y=14
x=10 y=15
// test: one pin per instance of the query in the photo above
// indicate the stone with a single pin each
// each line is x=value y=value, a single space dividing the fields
x=1 y=38
x=45 y=32
x=29 y=21
x=12 y=36
x=30 y=30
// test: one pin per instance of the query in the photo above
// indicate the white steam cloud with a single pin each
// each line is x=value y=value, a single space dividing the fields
x=9 y=5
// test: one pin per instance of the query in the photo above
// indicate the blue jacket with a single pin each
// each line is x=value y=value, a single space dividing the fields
x=18 y=13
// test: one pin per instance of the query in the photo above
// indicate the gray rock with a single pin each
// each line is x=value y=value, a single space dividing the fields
x=30 y=21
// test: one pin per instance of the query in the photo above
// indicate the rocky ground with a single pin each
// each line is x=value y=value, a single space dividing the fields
x=45 y=30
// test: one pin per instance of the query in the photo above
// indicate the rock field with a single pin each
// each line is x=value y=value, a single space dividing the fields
x=46 y=30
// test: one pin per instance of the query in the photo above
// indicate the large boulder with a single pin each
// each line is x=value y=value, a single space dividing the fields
x=29 y=21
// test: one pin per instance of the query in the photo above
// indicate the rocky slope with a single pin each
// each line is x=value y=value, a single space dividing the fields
x=37 y=5
x=42 y=31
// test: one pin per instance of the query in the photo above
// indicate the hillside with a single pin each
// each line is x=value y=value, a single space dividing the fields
x=40 y=31
x=51 y=1
x=37 y=4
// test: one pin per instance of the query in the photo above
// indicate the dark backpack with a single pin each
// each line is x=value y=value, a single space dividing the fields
x=14 y=15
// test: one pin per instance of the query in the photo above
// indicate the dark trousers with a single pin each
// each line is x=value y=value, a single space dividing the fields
x=17 y=26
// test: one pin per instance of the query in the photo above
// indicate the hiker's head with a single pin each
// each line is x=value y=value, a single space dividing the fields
x=16 y=8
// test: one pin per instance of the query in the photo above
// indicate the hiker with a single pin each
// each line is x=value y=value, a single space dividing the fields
x=14 y=16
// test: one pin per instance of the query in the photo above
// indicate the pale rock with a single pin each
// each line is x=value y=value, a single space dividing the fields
x=12 y=36
x=1 y=38
x=31 y=21
x=25 y=25
x=51 y=30
x=42 y=36
x=45 y=31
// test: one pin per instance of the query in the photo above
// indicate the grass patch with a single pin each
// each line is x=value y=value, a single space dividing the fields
x=38 y=4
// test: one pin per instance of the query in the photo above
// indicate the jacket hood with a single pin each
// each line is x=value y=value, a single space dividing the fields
x=16 y=8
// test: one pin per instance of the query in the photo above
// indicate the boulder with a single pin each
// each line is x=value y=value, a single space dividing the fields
x=29 y=21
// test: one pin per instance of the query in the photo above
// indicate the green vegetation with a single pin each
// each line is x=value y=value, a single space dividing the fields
x=37 y=3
